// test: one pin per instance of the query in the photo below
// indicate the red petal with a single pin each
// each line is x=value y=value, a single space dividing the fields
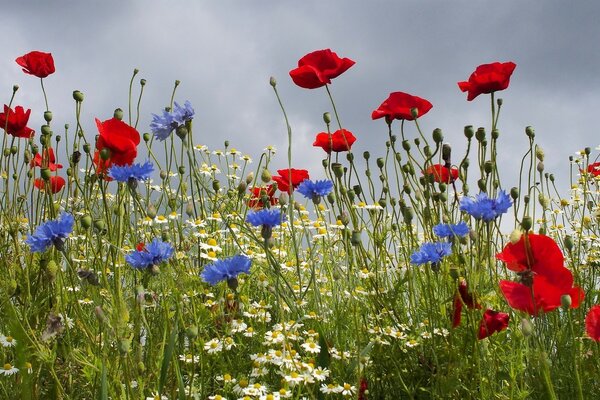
x=592 y=323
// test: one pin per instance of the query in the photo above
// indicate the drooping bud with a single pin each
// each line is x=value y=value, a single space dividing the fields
x=438 y=136
x=77 y=96
x=272 y=81
x=265 y=176
x=529 y=132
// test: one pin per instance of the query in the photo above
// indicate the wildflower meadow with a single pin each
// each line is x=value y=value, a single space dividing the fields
x=137 y=263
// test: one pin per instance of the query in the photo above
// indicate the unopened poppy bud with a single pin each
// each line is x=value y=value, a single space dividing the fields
x=526 y=327
x=86 y=222
x=250 y=177
x=481 y=184
x=265 y=176
x=163 y=174
x=350 y=157
x=438 y=136
x=58 y=137
x=539 y=153
x=408 y=215
x=515 y=236
x=46 y=130
x=48 y=116
x=241 y=188
x=427 y=151
x=146 y=136
x=272 y=81
x=77 y=96
x=13 y=150
x=327 y=118
x=284 y=198
x=216 y=185
x=495 y=134
x=15 y=88
x=526 y=223
x=119 y=210
x=366 y=155
x=181 y=169
x=189 y=209
x=331 y=198
x=540 y=167
x=566 y=301
x=86 y=148
x=529 y=132
x=442 y=186
x=382 y=202
x=142 y=82
x=46 y=174
x=406 y=145
x=357 y=189
x=192 y=331
x=469 y=132
x=587 y=151
x=417 y=141
x=480 y=134
x=499 y=102
x=351 y=195
x=446 y=152
x=118 y=114
x=69 y=171
x=544 y=200
x=75 y=157
x=151 y=211
x=414 y=112
x=526 y=199
x=355 y=238
x=105 y=153
x=27 y=157
x=99 y=224
x=338 y=170
x=181 y=132
x=514 y=193
x=380 y=162
x=488 y=167
x=569 y=243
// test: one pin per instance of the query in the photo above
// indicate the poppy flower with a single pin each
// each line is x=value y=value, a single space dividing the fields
x=544 y=278
x=492 y=322
x=56 y=184
x=592 y=323
x=297 y=175
x=594 y=169
x=488 y=78
x=50 y=160
x=119 y=139
x=441 y=173
x=399 y=105
x=462 y=297
x=318 y=68
x=340 y=140
x=256 y=194
x=15 y=122
x=37 y=63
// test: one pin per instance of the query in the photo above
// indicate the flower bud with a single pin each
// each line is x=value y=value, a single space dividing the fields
x=526 y=327
x=86 y=148
x=355 y=238
x=45 y=129
x=118 y=114
x=327 y=118
x=446 y=152
x=438 y=137
x=569 y=243
x=99 y=224
x=566 y=301
x=284 y=198
x=151 y=211
x=495 y=134
x=406 y=145
x=105 y=153
x=515 y=236
x=526 y=223
x=265 y=176
x=163 y=174
x=514 y=193
x=46 y=174
x=480 y=134
x=482 y=183
x=540 y=167
x=488 y=167
x=380 y=162
x=338 y=170
x=366 y=155
x=350 y=157
x=468 y=131
x=250 y=177
x=13 y=150
x=181 y=132
x=48 y=116
x=331 y=198
x=86 y=221
x=414 y=112
x=192 y=331
x=77 y=96
x=529 y=132
x=272 y=81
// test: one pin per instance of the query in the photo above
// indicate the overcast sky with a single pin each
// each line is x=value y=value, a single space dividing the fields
x=224 y=52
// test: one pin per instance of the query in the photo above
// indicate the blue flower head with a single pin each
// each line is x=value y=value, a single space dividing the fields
x=162 y=125
x=431 y=253
x=135 y=172
x=182 y=114
x=151 y=256
x=484 y=208
x=448 y=230
x=315 y=190
x=267 y=218
x=51 y=233
x=226 y=270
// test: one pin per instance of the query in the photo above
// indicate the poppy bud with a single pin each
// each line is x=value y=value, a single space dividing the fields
x=427 y=151
x=151 y=211
x=6 y=152
x=15 y=88
x=366 y=155
x=181 y=132
x=77 y=96
x=382 y=202
x=265 y=176
x=163 y=174
x=526 y=199
x=272 y=81
x=48 y=116
x=338 y=170
x=529 y=132
x=406 y=145
x=13 y=150
x=146 y=136
x=75 y=157
x=216 y=185
x=283 y=198
x=327 y=118
x=446 y=152
x=46 y=174
x=86 y=148
x=569 y=243
x=480 y=134
x=331 y=198
x=45 y=129
x=495 y=134
x=408 y=215
x=438 y=137
x=526 y=223
x=417 y=141
x=105 y=153
x=468 y=131
x=566 y=301
x=526 y=327
x=86 y=222
x=515 y=236
x=482 y=183
x=181 y=169
x=58 y=137
x=355 y=238
x=350 y=157
x=99 y=224
x=118 y=114
x=544 y=201
x=380 y=163
x=488 y=167
x=414 y=112
x=351 y=195
x=142 y=82
x=514 y=193
x=249 y=178
x=191 y=331
x=124 y=346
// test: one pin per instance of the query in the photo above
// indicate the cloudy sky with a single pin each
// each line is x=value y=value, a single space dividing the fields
x=224 y=52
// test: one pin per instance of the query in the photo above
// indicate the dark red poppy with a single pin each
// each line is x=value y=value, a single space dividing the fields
x=56 y=184
x=257 y=193
x=399 y=105
x=16 y=122
x=592 y=323
x=119 y=139
x=363 y=389
x=318 y=68
x=492 y=322
x=297 y=175
x=50 y=160
x=594 y=169
x=37 y=63
x=442 y=174
x=462 y=297
x=340 y=140
x=488 y=78
x=544 y=278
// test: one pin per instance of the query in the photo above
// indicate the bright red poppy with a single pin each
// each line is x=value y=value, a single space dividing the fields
x=594 y=169
x=119 y=139
x=492 y=322
x=318 y=68
x=16 y=122
x=257 y=193
x=592 y=323
x=56 y=184
x=37 y=63
x=544 y=278
x=340 y=140
x=441 y=173
x=399 y=105
x=298 y=175
x=50 y=160
x=488 y=78
x=462 y=297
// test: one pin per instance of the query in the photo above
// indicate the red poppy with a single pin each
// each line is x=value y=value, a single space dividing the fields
x=257 y=193
x=594 y=169
x=49 y=159
x=592 y=323
x=140 y=246
x=340 y=140
x=318 y=68
x=492 y=322
x=119 y=139
x=441 y=173
x=37 y=63
x=399 y=105
x=462 y=297
x=56 y=184
x=488 y=78
x=16 y=124
x=544 y=278
x=298 y=175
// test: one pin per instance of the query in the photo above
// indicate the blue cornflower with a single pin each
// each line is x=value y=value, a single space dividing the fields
x=182 y=114
x=484 y=208
x=431 y=253
x=227 y=269
x=266 y=217
x=135 y=172
x=315 y=190
x=51 y=233
x=162 y=125
x=448 y=230
x=151 y=255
